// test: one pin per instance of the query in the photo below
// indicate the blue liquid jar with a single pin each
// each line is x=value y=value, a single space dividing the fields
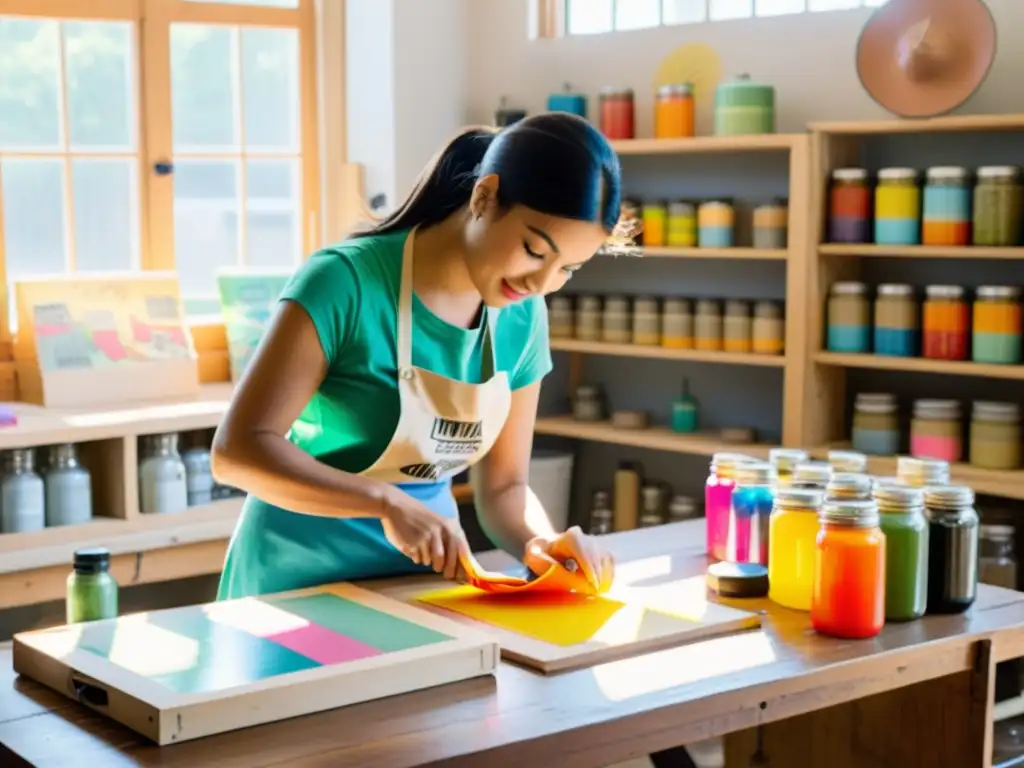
x=896 y=321
x=750 y=510
x=876 y=428
x=849 y=323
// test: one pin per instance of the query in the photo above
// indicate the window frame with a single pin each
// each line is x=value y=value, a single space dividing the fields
x=152 y=20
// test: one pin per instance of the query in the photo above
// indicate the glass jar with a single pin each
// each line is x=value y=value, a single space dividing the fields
x=601 y=515
x=682 y=508
x=67 y=488
x=715 y=222
x=616 y=322
x=91 y=590
x=655 y=219
x=849 y=318
x=998 y=206
x=646 y=322
x=589 y=403
x=750 y=513
x=791 y=546
x=770 y=226
x=784 y=461
x=876 y=428
x=848 y=486
x=674 y=111
x=682 y=225
x=652 y=506
x=198 y=476
x=736 y=336
x=847 y=461
x=677 y=324
x=588 y=318
x=945 y=323
x=848 y=599
x=946 y=215
x=995 y=435
x=906 y=550
x=768 y=329
x=813 y=475
x=895 y=321
x=952 y=548
x=921 y=473
x=849 y=211
x=897 y=207
x=617 y=115
x=997 y=325
x=560 y=319
x=163 y=485
x=997 y=556
x=718 y=498
x=22 y=499
x=935 y=430
x=707 y=326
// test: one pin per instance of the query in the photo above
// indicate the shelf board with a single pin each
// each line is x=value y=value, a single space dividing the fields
x=664 y=353
x=953 y=124
x=666 y=252
x=920 y=365
x=654 y=438
x=767 y=142
x=921 y=251
x=1007 y=484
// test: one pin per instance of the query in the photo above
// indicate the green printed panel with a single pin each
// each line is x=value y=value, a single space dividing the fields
x=374 y=628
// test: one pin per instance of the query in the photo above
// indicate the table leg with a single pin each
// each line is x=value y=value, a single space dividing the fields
x=941 y=723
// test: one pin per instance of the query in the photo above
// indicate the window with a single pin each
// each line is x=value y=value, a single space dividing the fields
x=598 y=16
x=189 y=144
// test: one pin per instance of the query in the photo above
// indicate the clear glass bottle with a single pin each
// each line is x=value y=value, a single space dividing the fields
x=163 y=484
x=22 y=499
x=785 y=461
x=901 y=510
x=718 y=499
x=682 y=508
x=997 y=556
x=952 y=548
x=67 y=488
x=811 y=474
x=652 y=506
x=920 y=473
x=91 y=590
x=198 y=476
x=791 y=544
x=750 y=513
x=848 y=461
x=601 y=515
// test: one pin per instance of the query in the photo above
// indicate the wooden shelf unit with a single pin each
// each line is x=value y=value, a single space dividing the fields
x=741 y=253
x=576 y=346
x=836 y=145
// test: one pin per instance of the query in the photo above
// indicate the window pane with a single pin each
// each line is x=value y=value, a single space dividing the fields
x=832 y=5
x=637 y=14
x=98 y=65
x=34 y=226
x=273 y=231
x=206 y=222
x=731 y=9
x=779 y=7
x=264 y=3
x=29 y=84
x=105 y=197
x=684 y=11
x=874 y=3
x=204 y=87
x=587 y=17
x=270 y=88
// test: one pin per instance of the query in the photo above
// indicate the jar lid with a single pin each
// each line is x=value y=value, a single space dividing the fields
x=728 y=461
x=998 y=171
x=849 y=288
x=996 y=411
x=889 y=482
x=799 y=498
x=948 y=497
x=711 y=204
x=859 y=513
x=850 y=174
x=588 y=390
x=944 y=291
x=601 y=498
x=675 y=89
x=852 y=483
x=590 y=302
x=91 y=559
x=874 y=407
x=945 y=406
x=998 y=292
x=679 y=501
x=681 y=208
x=847 y=461
x=617 y=91
x=813 y=473
x=755 y=473
x=929 y=471
x=876 y=397
x=707 y=306
x=767 y=309
x=895 y=289
x=894 y=174
x=894 y=497
x=737 y=307
x=996 y=531
x=738 y=579
x=946 y=172
x=677 y=305
x=786 y=459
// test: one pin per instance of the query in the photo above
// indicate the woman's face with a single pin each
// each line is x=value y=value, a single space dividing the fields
x=520 y=252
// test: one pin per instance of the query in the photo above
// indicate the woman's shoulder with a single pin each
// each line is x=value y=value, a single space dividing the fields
x=524 y=318
x=365 y=250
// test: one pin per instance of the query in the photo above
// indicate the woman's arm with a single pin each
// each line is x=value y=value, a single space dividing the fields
x=250 y=450
x=509 y=512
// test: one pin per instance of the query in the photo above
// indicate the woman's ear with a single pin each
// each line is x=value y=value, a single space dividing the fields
x=484 y=199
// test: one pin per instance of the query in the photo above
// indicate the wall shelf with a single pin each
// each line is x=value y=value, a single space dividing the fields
x=921 y=365
x=920 y=251
x=953 y=124
x=666 y=252
x=769 y=142
x=664 y=353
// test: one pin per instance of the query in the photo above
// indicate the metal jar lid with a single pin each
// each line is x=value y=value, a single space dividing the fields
x=850 y=174
x=736 y=307
x=898 y=498
x=936 y=409
x=895 y=289
x=849 y=485
x=948 y=497
x=847 y=461
x=807 y=499
x=922 y=471
x=708 y=307
x=813 y=473
x=946 y=173
x=754 y=473
x=1002 y=412
x=944 y=292
x=849 y=288
x=616 y=92
x=998 y=292
x=897 y=174
x=786 y=459
x=675 y=89
x=849 y=512
x=589 y=303
x=726 y=463
x=681 y=208
x=1007 y=172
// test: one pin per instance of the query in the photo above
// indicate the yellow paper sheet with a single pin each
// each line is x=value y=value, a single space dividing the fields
x=558 y=619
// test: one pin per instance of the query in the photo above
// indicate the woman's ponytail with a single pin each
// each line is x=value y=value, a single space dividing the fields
x=444 y=186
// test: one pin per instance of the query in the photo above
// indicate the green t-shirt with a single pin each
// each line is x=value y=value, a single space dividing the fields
x=350 y=291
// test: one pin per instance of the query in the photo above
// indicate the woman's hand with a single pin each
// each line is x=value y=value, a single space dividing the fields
x=595 y=563
x=422 y=535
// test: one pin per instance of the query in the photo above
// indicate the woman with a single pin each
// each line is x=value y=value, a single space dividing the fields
x=408 y=353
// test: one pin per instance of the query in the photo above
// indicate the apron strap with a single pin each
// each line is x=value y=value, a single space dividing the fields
x=489 y=358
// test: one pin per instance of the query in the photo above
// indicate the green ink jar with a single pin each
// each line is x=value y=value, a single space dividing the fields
x=91 y=591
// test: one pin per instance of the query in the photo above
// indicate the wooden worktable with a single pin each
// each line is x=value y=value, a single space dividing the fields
x=920 y=695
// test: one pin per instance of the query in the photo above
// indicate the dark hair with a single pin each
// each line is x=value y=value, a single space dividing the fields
x=555 y=163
